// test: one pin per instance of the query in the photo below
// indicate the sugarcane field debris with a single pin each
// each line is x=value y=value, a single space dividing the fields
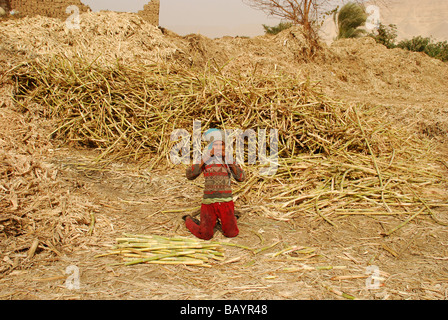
x=357 y=208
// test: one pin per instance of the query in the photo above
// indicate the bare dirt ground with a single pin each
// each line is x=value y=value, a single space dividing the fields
x=79 y=208
x=411 y=262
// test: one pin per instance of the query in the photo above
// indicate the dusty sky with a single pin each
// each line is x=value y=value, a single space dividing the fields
x=217 y=18
x=212 y=18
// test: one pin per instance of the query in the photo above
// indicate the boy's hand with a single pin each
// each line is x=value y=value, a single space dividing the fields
x=206 y=157
x=232 y=166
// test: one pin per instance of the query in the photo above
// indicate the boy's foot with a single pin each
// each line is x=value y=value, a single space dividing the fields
x=190 y=217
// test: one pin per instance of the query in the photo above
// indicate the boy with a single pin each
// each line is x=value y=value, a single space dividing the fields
x=217 y=202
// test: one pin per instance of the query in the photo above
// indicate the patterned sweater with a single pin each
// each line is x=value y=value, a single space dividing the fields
x=217 y=180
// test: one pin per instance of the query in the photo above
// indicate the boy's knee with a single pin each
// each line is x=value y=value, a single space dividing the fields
x=206 y=235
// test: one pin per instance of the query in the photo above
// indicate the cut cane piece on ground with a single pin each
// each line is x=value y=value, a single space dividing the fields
x=153 y=249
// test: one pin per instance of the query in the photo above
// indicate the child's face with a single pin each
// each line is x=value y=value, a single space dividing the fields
x=219 y=149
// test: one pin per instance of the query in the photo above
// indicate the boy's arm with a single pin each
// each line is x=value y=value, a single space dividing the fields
x=237 y=172
x=193 y=171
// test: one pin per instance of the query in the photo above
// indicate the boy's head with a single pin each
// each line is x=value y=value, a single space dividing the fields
x=214 y=135
x=216 y=138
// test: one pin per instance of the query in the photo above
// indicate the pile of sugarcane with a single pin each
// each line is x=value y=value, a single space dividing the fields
x=153 y=249
x=335 y=158
x=131 y=110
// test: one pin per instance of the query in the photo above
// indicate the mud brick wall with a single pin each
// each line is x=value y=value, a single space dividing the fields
x=49 y=8
x=5 y=5
x=150 y=12
x=56 y=8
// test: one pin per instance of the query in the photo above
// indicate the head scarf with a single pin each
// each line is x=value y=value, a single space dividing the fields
x=213 y=135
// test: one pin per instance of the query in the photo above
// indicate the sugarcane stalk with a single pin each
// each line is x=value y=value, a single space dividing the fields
x=158 y=257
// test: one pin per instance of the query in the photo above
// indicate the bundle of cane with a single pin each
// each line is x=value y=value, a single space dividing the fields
x=153 y=249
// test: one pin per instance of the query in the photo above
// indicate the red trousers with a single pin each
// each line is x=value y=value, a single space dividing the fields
x=224 y=211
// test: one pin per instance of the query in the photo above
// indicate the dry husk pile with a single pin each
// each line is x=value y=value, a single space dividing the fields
x=105 y=36
x=335 y=159
x=38 y=211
